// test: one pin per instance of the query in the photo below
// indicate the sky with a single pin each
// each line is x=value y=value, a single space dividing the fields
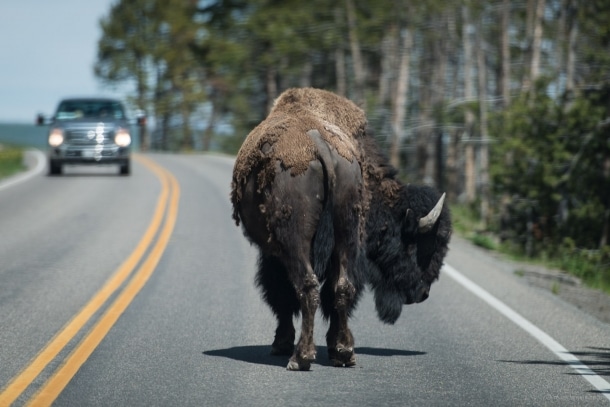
x=47 y=51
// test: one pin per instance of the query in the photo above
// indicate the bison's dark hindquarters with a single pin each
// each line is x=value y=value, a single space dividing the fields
x=281 y=219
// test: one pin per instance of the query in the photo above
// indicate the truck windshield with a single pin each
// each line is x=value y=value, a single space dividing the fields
x=75 y=109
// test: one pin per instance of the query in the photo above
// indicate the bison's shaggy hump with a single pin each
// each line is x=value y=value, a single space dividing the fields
x=282 y=136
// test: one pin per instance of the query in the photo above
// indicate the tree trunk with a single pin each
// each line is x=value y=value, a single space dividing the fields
x=605 y=237
x=561 y=39
x=142 y=97
x=187 y=137
x=389 y=55
x=271 y=87
x=535 y=15
x=424 y=128
x=484 y=143
x=537 y=41
x=399 y=97
x=165 y=118
x=356 y=54
x=605 y=230
x=469 y=157
x=451 y=167
x=340 y=57
x=572 y=19
x=441 y=55
x=209 y=129
x=305 y=77
x=530 y=12
x=340 y=72
x=505 y=53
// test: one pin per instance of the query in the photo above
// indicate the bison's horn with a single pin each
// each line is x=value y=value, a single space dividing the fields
x=427 y=222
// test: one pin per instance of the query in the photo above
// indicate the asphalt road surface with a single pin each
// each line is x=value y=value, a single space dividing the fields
x=138 y=291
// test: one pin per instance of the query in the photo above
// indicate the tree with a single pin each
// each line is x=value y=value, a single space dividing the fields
x=354 y=44
x=180 y=80
x=124 y=50
x=534 y=31
x=554 y=163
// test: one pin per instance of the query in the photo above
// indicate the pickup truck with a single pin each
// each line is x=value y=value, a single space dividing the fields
x=89 y=131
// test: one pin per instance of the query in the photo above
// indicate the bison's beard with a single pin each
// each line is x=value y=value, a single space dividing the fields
x=388 y=304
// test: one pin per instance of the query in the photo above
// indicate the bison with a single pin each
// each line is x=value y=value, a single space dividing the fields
x=317 y=197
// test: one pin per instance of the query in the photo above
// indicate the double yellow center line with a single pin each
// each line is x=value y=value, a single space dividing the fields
x=161 y=228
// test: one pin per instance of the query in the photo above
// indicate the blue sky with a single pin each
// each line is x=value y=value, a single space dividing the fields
x=47 y=51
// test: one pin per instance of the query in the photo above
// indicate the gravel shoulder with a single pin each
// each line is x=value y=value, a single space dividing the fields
x=565 y=286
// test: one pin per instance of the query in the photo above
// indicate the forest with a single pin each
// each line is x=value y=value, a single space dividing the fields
x=505 y=105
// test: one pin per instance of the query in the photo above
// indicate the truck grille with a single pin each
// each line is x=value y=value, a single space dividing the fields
x=88 y=137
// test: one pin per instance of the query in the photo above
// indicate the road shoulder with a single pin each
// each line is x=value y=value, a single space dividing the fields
x=34 y=161
x=564 y=286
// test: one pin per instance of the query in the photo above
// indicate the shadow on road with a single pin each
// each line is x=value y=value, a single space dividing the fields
x=597 y=359
x=260 y=354
x=257 y=354
x=387 y=352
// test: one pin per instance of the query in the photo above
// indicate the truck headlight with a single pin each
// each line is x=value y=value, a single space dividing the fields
x=122 y=138
x=56 y=137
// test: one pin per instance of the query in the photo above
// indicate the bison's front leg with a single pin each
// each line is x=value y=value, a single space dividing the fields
x=278 y=292
x=309 y=297
x=283 y=343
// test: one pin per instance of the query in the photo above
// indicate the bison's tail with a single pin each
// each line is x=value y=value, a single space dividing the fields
x=324 y=240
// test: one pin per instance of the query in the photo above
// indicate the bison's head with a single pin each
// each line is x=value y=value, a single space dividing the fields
x=411 y=252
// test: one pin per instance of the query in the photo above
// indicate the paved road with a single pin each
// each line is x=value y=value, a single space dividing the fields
x=185 y=326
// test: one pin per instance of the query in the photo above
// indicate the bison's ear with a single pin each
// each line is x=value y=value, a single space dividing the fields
x=411 y=224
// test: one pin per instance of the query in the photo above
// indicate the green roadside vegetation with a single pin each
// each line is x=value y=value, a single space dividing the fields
x=591 y=266
x=11 y=160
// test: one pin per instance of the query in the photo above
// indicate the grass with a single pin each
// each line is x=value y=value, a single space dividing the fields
x=555 y=287
x=467 y=224
x=11 y=160
x=591 y=266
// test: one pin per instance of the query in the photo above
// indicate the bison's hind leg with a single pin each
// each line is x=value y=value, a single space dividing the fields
x=309 y=298
x=279 y=293
x=292 y=207
x=338 y=298
x=343 y=281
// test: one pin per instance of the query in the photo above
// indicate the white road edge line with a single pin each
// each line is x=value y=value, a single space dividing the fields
x=24 y=176
x=561 y=352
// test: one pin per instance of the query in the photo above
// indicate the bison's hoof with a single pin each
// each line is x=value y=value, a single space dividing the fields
x=301 y=363
x=342 y=356
x=292 y=365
